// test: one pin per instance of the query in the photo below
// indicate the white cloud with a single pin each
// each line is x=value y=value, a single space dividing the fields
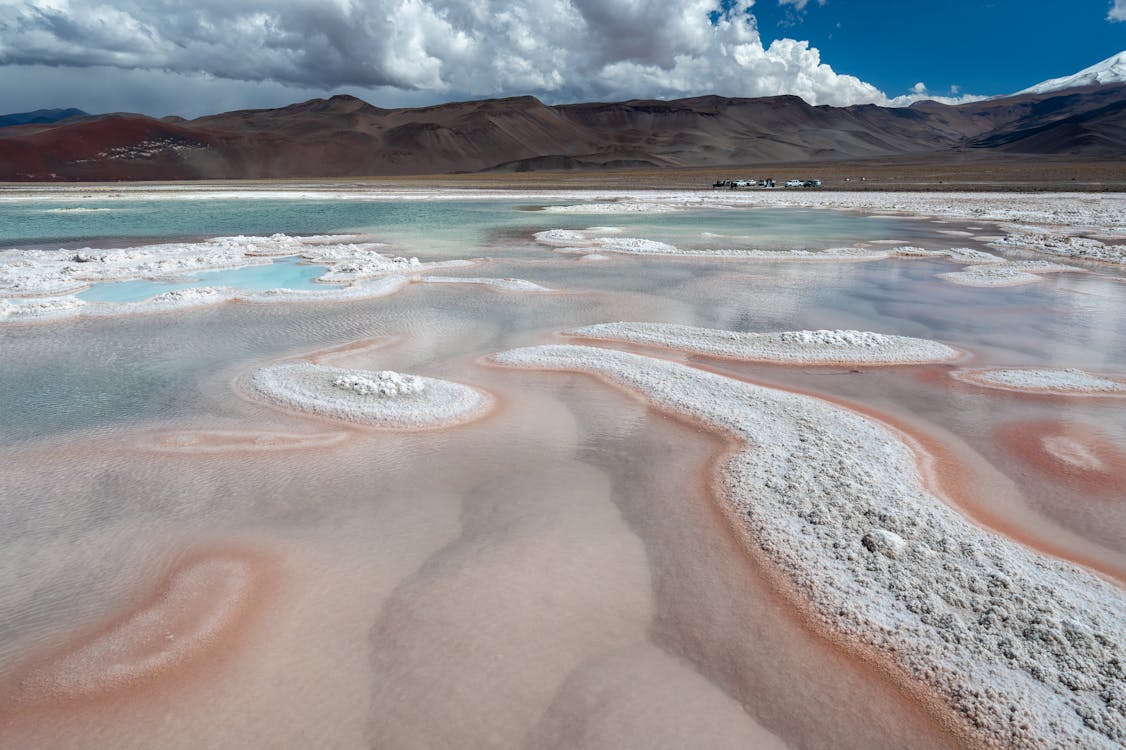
x=799 y=5
x=906 y=100
x=1117 y=11
x=560 y=50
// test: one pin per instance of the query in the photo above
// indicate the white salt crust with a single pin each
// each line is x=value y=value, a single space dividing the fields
x=1043 y=380
x=32 y=273
x=1061 y=241
x=504 y=285
x=52 y=309
x=616 y=207
x=354 y=269
x=377 y=398
x=1007 y=273
x=1026 y=649
x=599 y=240
x=801 y=347
x=46 y=309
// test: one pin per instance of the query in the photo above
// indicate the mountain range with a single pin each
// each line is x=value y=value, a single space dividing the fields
x=1083 y=116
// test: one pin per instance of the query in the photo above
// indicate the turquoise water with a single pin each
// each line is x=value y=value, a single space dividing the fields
x=284 y=273
x=432 y=228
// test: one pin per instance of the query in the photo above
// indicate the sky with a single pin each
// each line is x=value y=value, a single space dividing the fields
x=164 y=57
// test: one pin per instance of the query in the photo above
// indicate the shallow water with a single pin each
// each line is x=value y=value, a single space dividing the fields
x=283 y=273
x=438 y=228
x=185 y=566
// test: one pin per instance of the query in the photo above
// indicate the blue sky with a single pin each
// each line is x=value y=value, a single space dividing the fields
x=172 y=57
x=983 y=47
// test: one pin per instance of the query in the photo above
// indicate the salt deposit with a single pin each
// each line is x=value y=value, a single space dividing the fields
x=617 y=207
x=799 y=347
x=1060 y=241
x=1006 y=273
x=384 y=383
x=1025 y=649
x=347 y=269
x=1083 y=226
x=50 y=308
x=43 y=272
x=599 y=240
x=504 y=285
x=380 y=399
x=1042 y=380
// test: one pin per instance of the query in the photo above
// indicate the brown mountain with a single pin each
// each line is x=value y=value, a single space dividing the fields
x=344 y=136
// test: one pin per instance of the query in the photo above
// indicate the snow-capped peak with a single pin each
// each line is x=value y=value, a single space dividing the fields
x=1110 y=70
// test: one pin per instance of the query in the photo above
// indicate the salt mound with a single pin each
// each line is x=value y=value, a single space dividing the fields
x=804 y=347
x=385 y=383
x=382 y=399
x=1037 y=380
x=1026 y=649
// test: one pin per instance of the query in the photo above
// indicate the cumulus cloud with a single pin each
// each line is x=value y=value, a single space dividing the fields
x=557 y=49
x=1117 y=11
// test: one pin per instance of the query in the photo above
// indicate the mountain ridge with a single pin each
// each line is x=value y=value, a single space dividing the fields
x=343 y=136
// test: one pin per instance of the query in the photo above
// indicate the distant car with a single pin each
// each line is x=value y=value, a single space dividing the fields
x=794 y=183
x=812 y=183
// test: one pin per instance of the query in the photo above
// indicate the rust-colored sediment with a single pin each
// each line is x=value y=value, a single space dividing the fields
x=192 y=620
x=1071 y=452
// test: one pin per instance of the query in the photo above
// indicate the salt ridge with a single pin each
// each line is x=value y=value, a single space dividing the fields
x=1043 y=380
x=383 y=399
x=805 y=347
x=1026 y=649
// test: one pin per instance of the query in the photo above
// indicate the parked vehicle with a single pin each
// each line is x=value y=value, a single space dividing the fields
x=794 y=183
